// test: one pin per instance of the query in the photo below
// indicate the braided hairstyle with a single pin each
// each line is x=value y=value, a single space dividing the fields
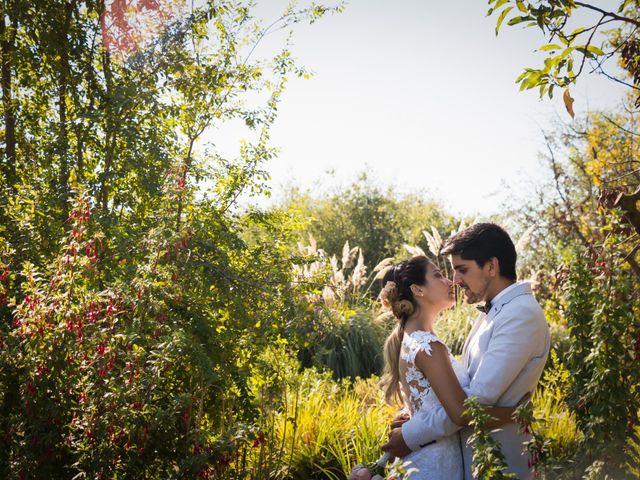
x=397 y=295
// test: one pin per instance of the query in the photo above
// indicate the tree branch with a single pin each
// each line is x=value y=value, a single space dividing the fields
x=613 y=15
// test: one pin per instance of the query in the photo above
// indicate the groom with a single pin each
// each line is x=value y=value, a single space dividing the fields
x=504 y=353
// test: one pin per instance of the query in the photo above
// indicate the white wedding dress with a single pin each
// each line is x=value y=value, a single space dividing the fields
x=441 y=460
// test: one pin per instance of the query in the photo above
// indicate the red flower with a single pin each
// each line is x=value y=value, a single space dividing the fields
x=112 y=309
x=259 y=441
x=111 y=363
x=31 y=389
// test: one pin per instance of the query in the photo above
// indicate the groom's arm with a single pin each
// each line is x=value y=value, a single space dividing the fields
x=428 y=426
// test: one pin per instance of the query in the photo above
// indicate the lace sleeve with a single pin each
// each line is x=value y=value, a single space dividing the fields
x=416 y=342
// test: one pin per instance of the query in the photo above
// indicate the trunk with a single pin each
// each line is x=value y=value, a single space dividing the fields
x=6 y=45
x=108 y=160
x=62 y=103
x=110 y=134
x=183 y=176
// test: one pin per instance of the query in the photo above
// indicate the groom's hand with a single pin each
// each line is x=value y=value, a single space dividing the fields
x=396 y=446
x=400 y=420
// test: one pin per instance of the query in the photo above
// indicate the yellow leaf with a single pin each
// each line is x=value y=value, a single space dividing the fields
x=568 y=102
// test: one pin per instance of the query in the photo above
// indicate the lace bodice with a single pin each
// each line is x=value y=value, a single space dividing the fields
x=416 y=390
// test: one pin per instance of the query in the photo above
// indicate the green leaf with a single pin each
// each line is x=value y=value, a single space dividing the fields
x=577 y=32
x=550 y=46
x=567 y=51
x=517 y=20
x=499 y=3
x=501 y=18
x=595 y=50
x=623 y=5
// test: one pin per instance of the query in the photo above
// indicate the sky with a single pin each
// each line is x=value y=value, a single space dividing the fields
x=419 y=95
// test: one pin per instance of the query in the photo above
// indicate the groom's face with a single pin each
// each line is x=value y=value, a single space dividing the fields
x=473 y=279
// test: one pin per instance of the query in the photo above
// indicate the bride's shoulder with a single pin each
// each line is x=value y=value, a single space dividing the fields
x=417 y=341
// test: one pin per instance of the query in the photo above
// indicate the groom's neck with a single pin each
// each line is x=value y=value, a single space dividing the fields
x=497 y=286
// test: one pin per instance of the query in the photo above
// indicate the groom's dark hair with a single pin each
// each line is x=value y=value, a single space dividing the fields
x=481 y=242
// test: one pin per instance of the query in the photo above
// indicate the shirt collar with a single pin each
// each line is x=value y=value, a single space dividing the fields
x=502 y=293
x=506 y=295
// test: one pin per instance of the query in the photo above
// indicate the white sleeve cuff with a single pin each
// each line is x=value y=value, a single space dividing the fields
x=413 y=433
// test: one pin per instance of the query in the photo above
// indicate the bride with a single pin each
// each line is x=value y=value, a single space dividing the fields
x=420 y=371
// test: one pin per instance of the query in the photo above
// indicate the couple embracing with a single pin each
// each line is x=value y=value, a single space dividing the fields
x=502 y=360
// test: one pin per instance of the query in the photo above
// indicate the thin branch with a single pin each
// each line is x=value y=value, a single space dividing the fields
x=613 y=15
x=611 y=77
x=586 y=46
x=610 y=180
x=613 y=122
x=630 y=259
x=564 y=199
x=573 y=36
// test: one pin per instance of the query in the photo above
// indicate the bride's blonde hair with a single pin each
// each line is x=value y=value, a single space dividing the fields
x=397 y=296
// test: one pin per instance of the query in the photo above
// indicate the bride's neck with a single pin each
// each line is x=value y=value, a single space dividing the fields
x=423 y=319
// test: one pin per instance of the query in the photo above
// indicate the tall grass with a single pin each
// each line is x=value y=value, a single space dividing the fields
x=454 y=325
x=353 y=347
x=311 y=426
x=558 y=422
x=633 y=450
x=338 y=425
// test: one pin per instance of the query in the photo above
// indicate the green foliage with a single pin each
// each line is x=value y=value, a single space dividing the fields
x=334 y=325
x=135 y=296
x=488 y=460
x=454 y=325
x=379 y=221
x=353 y=348
x=633 y=449
x=556 y=434
x=602 y=359
x=314 y=427
x=568 y=49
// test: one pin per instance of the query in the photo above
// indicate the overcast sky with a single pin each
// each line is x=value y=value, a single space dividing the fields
x=418 y=94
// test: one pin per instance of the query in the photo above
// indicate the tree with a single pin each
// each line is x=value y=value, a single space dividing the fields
x=378 y=221
x=132 y=302
x=569 y=49
x=610 y=163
